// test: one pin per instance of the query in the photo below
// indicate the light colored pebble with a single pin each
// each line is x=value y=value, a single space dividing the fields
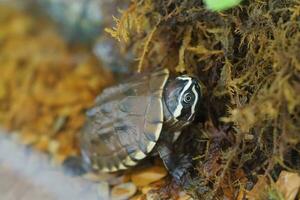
x=103 y=190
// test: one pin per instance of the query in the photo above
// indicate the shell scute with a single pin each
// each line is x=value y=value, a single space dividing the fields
x=154 y=113
x=125 y=123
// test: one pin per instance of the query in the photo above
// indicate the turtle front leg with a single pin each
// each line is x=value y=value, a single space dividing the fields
x=177 y=165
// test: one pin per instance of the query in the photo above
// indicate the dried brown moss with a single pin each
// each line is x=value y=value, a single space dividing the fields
x=248 y=59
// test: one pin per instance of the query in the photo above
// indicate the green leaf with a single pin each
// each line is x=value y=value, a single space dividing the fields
x=219 y=5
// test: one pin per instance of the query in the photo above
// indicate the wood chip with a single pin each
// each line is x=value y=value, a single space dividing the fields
x=147 y=189
x=138 y=197
x=116 y=180
x=123 y=191
x=259 y=191
x=97 y=177
x=148 y=175
x=288 y=184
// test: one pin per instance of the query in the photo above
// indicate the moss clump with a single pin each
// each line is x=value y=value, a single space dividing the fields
x=248 y=59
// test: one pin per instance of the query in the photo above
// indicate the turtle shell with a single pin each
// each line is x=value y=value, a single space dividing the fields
x=125 y=124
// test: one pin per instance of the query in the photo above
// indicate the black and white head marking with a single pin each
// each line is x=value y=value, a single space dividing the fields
x=182 y=98
x=186 y=96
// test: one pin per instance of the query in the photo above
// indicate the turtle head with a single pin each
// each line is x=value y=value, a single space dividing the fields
x=182 y=98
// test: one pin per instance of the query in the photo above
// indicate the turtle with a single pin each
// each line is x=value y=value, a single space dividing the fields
x=138 y=118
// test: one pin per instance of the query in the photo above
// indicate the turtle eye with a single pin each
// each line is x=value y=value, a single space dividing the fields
x=187 y=98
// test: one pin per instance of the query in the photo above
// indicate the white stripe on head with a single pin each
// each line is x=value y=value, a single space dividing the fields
x=195 y=101
x=177 y=111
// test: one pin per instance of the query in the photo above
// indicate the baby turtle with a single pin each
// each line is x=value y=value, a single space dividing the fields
x=135 y=119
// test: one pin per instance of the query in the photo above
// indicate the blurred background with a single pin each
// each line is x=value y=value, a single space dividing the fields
x=55 y=57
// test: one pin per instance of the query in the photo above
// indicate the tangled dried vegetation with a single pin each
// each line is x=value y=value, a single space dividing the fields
x=248 y=59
